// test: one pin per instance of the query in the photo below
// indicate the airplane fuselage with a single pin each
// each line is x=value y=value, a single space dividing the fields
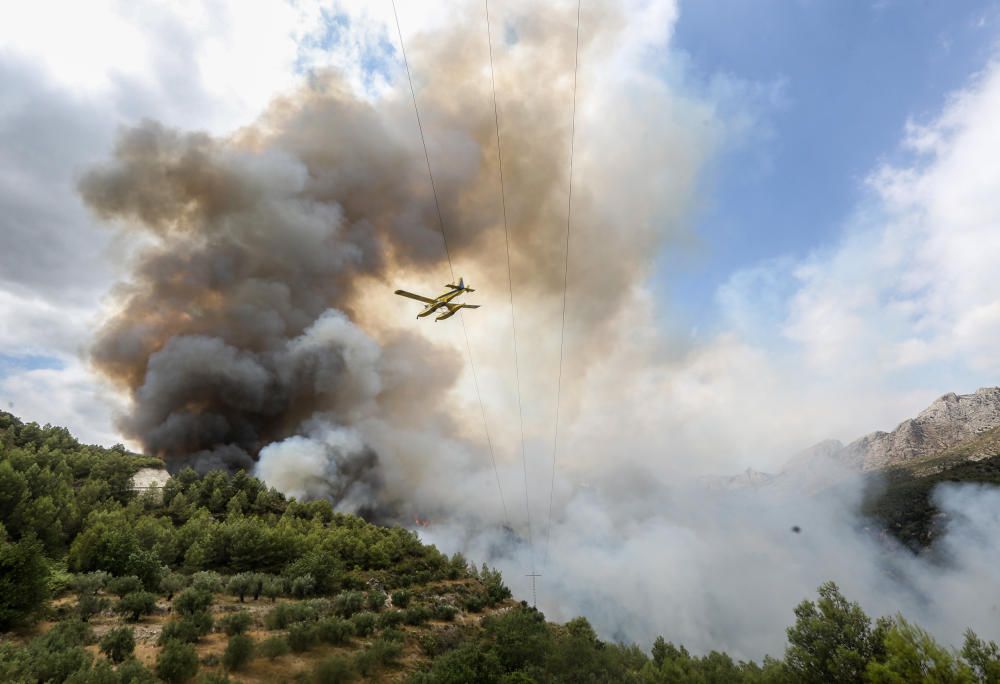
x=440 y=302
x=443 y=301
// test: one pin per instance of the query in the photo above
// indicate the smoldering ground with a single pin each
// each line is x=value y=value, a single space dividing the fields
x=257 y=329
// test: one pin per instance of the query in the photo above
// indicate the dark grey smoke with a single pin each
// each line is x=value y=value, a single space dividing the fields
x=249 y=246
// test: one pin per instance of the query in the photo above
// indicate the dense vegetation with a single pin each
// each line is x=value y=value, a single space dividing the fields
x=901 y=500
x=223 y=579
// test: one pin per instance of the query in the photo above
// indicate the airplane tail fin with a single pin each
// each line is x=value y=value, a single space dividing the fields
x=461 y=285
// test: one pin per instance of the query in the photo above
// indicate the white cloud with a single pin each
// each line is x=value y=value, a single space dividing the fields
x=66 y=396
x=905 y=306
x=70 y=75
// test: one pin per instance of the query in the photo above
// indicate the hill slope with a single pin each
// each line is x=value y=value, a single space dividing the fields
x=223 y=579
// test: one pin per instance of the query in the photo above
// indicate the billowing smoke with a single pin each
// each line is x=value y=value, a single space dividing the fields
x=260 y=300
x=257 y=328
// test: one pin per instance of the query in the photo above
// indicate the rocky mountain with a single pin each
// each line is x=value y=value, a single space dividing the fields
x=954 y=429
x=749 y=478
x=966 y=425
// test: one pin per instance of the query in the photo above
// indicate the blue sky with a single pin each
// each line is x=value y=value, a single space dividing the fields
x=847 y=77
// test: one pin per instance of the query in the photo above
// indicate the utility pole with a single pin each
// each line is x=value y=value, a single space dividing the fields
x=534 y=601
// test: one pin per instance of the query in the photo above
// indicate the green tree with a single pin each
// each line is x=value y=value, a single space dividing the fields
x=133 y=606
x=58 y=653
x=982 y=657
x=192 y=600
x=134 y=672
x=189 y=628
x=348 y=603
x=120 y=586
x=239 y=652
x=832 y=640
x=375 y=600
x=101 y=673
x=333 y=630
x=401 y=598
x=520 y=637
x=302 y=636
x=912 y=655
x=236 y=623
x=24 y=575
x=177 y=662
x=334 y=670
x=274 y=647
x=118 y=644
x=241 y=584
x=171 y=583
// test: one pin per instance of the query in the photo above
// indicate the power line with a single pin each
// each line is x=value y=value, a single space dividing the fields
x=451 y=268
x=562 y=329
x=510 y=288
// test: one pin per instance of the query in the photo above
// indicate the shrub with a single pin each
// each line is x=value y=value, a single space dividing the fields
x=375 y=600
x=56 y=655
x=496 y=591
x=273 y=587
x=64 y=635
x=335 y=670
x=241 y=584
x=90 y=582
x=474 y=603
x=135 y=605
x=394 y=635
x=118 y=644
x=284 y=614
x=273 y=647
x=89 y=605
x=236 y=623
x=134 y=672
x=458 y=566
x=120 y=586
x=207 y=581
x=238 y=653
x=192 y=600
x=348 y=603
x=364 y=623
x=302 y=636
x=401 y=598
x=171 y=583
x=334 y=630
x=214 y=678
x=304 y=585
x=177 y=662
x=416 y=615
x=381 y=652
x=189 y=628
x=390 y=618
x=444 y=612
x=101 y=673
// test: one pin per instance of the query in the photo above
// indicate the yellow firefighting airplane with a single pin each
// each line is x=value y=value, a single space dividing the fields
x=442 y=301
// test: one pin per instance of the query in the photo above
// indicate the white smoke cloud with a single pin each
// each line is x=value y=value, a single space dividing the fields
x=853 y=337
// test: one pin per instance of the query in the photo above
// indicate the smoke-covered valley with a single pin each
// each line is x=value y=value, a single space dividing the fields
x=257 y=329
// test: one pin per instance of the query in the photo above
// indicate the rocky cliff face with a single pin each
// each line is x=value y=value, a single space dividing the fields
x=944 y=425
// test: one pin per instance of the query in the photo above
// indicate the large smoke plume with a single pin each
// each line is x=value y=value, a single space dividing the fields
x=257 y=329
x=260 y=301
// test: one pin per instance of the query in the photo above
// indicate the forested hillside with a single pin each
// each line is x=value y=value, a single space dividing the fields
x=901 y=500
x=221 y=578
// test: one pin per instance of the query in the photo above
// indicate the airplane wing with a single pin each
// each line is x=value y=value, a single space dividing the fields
x=419 y=298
